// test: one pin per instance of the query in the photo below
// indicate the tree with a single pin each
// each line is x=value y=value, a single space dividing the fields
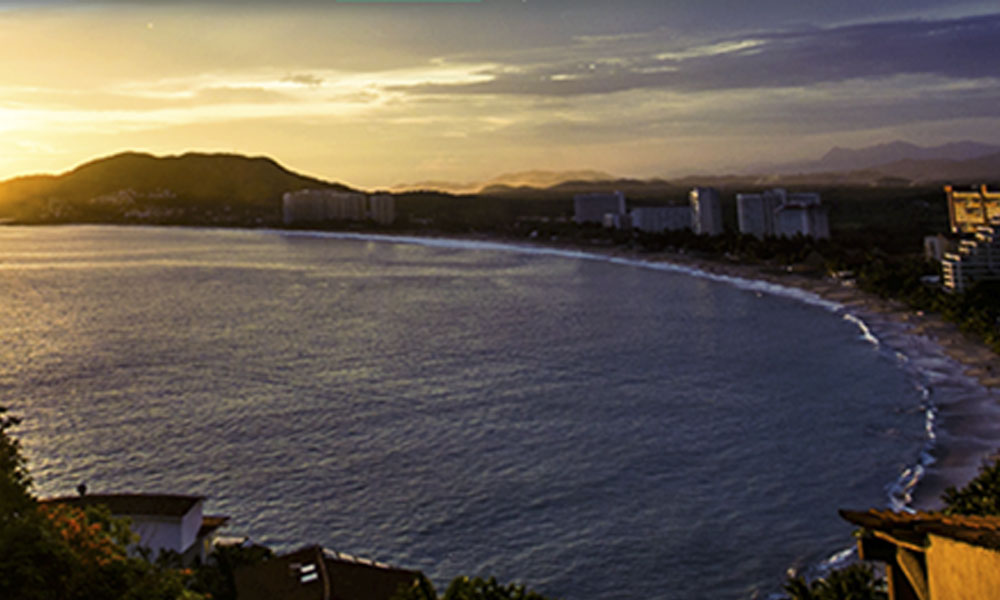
x=65 y=553
x=981 y=496
x=856 y=582
x=463 y=588
x=216 y=578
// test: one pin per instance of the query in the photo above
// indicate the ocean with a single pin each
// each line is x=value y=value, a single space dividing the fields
x=594 y=428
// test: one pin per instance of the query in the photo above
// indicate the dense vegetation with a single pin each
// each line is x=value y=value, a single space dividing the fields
x=980 y=496
x=65 y=553
x=856 y=582
x=68 y=553
x=464 y=588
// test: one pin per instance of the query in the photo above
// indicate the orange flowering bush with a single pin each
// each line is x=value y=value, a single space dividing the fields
x=93 y=535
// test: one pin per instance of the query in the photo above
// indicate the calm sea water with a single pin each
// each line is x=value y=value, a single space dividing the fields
x=594 y=430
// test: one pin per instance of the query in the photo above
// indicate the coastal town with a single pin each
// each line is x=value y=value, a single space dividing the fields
x=921 y=552
x=499 y=300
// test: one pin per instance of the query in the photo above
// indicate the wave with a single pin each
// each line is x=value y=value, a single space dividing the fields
x=753 y=285
x=908 y=356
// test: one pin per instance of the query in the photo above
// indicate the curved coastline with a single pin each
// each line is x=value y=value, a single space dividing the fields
x=956 y=378
x=952 y=397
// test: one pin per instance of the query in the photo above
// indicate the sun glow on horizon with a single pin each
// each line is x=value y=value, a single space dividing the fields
x=377 y=96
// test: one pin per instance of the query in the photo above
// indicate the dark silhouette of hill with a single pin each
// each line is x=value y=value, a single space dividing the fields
x=983 y=169
x=138 y=183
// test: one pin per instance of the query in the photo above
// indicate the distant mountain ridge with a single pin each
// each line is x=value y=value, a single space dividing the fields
x=873 y=157
x=881 y=164
x=535 y=178
x=202 y=188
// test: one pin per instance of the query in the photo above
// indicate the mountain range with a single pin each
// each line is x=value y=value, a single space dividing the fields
x=145 y=184
x=522 y=179
x=882 y=156
x=231 y=188
x=893 y=163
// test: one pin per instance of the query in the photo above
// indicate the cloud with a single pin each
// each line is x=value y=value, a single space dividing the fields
x=956 y=48
x=306 y=79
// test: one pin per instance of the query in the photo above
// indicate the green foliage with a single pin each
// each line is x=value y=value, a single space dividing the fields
x=15 y=483
x=66 y=553
x=216 y=578
x=981 y=496
x=464 y=588
x=856 y=582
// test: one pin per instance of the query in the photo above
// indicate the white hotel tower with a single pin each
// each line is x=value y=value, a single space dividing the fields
x=706 y=211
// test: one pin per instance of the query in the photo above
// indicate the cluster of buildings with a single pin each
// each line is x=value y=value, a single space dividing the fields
x=771 y=213
x=175 y=524
x=779 y=213
x=313 y=206
x=974 y=215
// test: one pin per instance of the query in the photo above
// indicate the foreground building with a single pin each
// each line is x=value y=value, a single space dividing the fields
x=163 y=522
x=591 y=208
x=313 y=573
x=706 y=211
x=932 y=556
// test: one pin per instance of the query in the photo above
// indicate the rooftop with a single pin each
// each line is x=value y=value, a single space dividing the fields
x=167 y=505
x=975 y=530
x=315 y=573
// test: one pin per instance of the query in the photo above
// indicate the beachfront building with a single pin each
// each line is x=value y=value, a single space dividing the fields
x=657 y=219
x=162 y=521
x=304 y=206
x=591 y=208
x=382 y=209
x=621 y=221
x=977 y=259
x=755 y=213
x=314 y=573
x=706 y=211
x=932 y=556
x=776 y=212
x=969 y=210
x=810 y=220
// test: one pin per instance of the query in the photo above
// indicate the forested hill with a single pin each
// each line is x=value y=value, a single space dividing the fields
x=137 y=186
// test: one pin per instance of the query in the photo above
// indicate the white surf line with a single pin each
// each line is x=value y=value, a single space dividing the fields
x=753 y=285
x=899 y=492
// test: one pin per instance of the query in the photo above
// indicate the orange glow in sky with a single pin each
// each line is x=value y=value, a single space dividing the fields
x=378 y=95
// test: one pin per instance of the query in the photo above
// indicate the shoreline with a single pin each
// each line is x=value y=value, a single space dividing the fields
x=956 y=376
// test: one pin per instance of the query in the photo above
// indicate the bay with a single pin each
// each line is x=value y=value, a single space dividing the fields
x=593 y=430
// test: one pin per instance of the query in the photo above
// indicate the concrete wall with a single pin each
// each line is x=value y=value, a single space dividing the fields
x=158 y=533
x=958 y=571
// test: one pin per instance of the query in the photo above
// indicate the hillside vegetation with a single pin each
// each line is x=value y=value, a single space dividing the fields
x=140 y=187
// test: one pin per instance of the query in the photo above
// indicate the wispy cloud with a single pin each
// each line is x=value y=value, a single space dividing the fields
x=957 y=48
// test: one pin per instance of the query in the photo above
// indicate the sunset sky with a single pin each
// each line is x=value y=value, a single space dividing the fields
x=378 y=93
